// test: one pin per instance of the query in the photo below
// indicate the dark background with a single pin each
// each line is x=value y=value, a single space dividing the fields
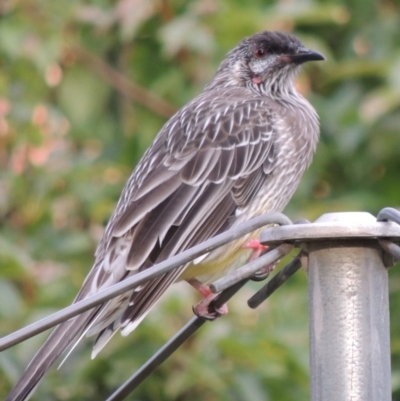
x=86 y=85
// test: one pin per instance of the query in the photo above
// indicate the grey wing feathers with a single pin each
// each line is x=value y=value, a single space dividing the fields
x=214 y=166
x=210 y=158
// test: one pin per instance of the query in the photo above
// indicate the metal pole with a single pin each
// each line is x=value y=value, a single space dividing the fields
x=349 y=317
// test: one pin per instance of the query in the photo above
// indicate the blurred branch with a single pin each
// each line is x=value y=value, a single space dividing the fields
x=122 y=84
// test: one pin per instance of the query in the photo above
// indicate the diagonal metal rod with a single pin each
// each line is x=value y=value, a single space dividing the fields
x=171 y=346
x=253 y=267
x=259 y=297
x=139 y=278
x=157 y=359
x=195 y=323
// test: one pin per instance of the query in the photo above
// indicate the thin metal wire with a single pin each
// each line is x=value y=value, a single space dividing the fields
x=171 y=346
x=280 y=278
x=248 y=270
x=390 y=214
x=139 y=278
x=391 y=248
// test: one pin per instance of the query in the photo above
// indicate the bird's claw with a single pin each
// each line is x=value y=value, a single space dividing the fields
x=258 y=250
x=206 y=308
x=264 y=272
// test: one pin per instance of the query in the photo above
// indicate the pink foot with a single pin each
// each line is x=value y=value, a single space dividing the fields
x=205 y=308
x=257 y=248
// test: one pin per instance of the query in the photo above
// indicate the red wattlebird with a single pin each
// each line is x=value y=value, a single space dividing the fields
x=237 y=150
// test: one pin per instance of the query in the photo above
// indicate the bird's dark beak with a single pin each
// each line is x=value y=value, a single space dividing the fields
x=303 y=55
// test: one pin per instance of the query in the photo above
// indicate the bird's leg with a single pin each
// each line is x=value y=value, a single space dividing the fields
x=258 y=250
x=203 y=308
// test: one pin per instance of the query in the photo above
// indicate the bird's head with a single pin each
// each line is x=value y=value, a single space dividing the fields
x=265 y=62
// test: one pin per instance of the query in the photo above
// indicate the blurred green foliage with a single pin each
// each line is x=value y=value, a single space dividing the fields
x=85 y=86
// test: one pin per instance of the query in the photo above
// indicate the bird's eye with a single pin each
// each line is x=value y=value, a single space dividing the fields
x=260 y=52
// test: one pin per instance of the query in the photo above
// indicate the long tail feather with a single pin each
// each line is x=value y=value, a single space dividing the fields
x=58 y=341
